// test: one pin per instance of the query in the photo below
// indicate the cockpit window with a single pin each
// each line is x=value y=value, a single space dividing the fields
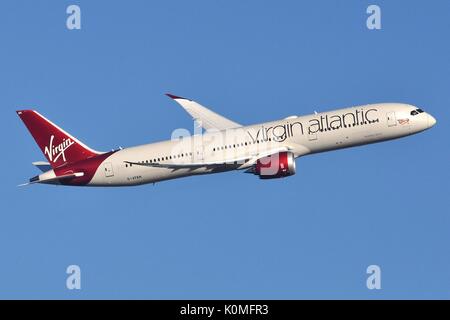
x=416 y=111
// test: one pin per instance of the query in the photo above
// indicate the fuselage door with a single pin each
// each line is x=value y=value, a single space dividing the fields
x=108 y=168
x=197 y=154
x=312 y=135
x=391 y=119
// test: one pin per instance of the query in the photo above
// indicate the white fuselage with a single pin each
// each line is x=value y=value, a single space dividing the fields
x=303 y=135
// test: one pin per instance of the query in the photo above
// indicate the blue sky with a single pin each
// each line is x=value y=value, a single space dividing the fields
x=227 y=235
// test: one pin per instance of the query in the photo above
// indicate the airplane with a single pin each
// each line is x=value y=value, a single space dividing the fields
x=267 y=150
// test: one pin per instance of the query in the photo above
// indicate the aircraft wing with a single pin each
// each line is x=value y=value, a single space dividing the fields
x=241 y=163
x=208 y=119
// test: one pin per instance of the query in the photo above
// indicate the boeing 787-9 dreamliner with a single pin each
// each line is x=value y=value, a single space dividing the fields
x=267 y=150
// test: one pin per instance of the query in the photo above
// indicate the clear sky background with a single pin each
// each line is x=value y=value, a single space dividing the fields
x=228 y=235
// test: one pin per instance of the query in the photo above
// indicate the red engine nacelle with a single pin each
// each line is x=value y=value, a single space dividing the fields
x=275 y=166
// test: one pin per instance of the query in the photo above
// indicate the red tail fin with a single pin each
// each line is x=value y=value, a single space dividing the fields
x=58 y=146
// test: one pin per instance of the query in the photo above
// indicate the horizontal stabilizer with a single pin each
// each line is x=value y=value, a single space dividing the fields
x=42 y=165
x=53 y=180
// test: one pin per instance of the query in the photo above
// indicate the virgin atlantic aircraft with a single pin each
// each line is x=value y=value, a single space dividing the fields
x=267 y=150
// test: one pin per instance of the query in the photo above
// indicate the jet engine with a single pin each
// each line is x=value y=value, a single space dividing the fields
x=278 y=165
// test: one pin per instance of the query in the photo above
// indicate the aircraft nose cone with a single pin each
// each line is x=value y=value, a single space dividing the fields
x=431 y=121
